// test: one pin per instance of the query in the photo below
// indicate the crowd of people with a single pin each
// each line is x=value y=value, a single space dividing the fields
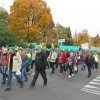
x=20 y=62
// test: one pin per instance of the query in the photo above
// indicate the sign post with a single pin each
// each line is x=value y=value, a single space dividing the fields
x=60 y=41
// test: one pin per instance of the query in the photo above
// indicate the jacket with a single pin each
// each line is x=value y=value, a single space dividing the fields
x=90 y=61
x=53 y=56
x=40 y=61
x=5 y=59
x=24 y=61
x=15 y=63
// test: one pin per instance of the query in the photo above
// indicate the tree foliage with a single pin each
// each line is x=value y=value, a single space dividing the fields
x=64 y=33
x=80 y=38
x=30 y=20
x=5 y=36
x=95 y=41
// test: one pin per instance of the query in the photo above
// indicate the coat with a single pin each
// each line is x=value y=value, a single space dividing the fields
x=16 y=62
x=40 y=61
x=5 y=59
x=90 y=62
x=25 y=61
x=53 y=56
x=62 y=59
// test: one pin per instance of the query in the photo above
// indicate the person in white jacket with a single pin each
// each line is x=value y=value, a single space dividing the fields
x=52 y=59
x=14 y=67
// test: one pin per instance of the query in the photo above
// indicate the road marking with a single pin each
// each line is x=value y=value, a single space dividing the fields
x=93 y=86
x=90 y=91
x=96 y=80
x=98 y=77
x=90 y=86
x=94 y=83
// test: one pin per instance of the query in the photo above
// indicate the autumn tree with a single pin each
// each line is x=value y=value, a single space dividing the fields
x=95 y=41
x=80 y=38
x=30 y=20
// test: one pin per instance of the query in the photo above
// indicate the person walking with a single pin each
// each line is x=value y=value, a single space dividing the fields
x=24 y=66
x=96 y=57
x=4 y=64
x=40 y=67
x=62 y=59
x=89 y=62
x=14 y=67
x=71 y=63
x=52 y=59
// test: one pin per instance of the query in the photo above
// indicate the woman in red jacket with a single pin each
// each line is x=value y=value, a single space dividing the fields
x=62 y=59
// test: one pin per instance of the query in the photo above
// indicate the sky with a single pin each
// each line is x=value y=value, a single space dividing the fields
x=76 y=14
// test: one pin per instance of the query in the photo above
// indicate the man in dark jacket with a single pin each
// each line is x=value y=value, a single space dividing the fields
x=40 y=67
x=89 y=62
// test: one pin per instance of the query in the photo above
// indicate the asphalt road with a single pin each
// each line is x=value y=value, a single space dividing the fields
x=59 y=88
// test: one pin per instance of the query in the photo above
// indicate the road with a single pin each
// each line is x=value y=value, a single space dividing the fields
x=59 y=87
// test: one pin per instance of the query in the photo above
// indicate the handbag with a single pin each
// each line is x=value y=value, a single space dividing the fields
x=75 y=68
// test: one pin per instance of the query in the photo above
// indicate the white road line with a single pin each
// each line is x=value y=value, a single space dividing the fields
x=96 y=80
x=90 y=86
x=98 y=77
x=91 y=91
x=94 y=83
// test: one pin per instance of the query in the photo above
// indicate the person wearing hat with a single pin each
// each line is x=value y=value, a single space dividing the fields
x=40 y=67
x=13 y=66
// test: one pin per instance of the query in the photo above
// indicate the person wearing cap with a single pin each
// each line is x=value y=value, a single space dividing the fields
x=13 y=66
x=40 y=67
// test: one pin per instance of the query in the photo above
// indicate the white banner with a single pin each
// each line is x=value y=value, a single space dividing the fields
x=85 y=46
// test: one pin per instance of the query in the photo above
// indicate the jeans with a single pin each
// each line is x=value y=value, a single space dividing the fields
x=3 y=71
x=9 y=81
x=23 y=74
x=83 y=65
x=52 y=66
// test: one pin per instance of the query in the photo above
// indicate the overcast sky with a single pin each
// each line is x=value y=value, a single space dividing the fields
x=77 y=14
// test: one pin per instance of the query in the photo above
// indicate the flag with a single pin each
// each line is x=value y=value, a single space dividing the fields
x=52 y=45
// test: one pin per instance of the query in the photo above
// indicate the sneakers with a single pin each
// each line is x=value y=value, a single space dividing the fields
x=7 y=89
x=31 y=86
x=69 y=76
x=72 y=75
